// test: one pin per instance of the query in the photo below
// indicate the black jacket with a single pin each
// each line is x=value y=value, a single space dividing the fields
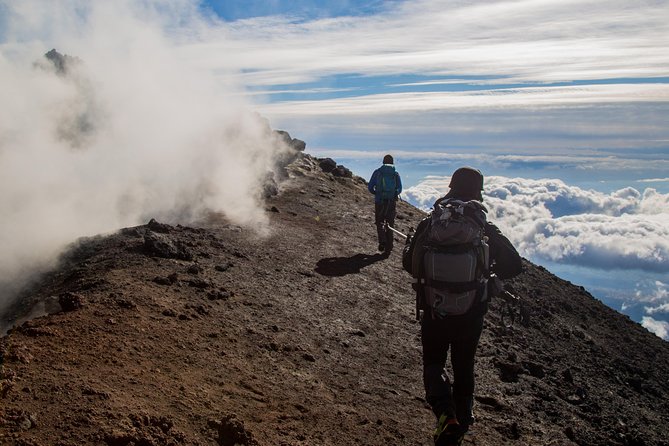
x=506 y=262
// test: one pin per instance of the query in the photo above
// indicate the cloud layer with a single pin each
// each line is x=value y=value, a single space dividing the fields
x=130 y=131
x=548 y=219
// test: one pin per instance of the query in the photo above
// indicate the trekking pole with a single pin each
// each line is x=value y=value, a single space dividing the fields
x=510 y=309
x=401 y=234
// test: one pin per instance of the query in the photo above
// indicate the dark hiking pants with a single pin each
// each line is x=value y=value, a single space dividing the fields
x=461 y=334
x=384 y=212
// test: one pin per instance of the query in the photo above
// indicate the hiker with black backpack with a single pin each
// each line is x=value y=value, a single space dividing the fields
x=386 y=186
x=458 y=260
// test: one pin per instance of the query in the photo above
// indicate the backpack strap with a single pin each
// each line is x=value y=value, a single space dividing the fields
x=452 y=249
x=453 y=287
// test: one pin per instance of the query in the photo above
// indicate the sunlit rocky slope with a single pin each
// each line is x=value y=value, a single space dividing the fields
x=211 y=334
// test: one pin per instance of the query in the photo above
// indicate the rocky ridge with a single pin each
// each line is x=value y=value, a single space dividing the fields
x=212 y=334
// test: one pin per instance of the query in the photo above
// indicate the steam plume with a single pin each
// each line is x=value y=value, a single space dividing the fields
x=123 y=129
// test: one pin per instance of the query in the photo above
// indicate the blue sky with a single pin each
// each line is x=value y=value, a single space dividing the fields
x=300 y=9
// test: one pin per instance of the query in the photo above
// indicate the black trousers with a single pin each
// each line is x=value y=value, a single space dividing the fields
x=384 y=212
x=461 y=335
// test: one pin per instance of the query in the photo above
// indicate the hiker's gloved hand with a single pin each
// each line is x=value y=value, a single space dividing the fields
x=409 y=236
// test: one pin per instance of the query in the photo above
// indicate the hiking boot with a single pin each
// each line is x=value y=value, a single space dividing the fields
x=382 y=247
x=448 y=431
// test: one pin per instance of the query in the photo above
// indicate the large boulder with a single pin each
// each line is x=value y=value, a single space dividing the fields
x=162 y=245
x=341 y=171
x=296 y=144
x=327 y=165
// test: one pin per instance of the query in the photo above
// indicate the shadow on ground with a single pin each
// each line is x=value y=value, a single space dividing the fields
x=341 y=266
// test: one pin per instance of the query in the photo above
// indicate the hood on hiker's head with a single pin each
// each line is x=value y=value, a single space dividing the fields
x=388 y=159
x=467 y=183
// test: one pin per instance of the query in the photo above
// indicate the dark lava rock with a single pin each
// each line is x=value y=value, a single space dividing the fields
x=536 y=370
x=296 y=144
x=218 y=295
x=327 y=165
x=224 y=267
x=509 y=371
x=270 y=188
x=61 y=62
x=169 y=280
x=160 y=245
x=341 y=171
x=199 y=283
x=194 y=269
x=158 y=227
x=70 y=301
x=231 y=432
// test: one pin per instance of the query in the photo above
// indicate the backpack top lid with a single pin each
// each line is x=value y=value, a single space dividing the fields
x=466 y=183
x=471 y=208
x=456 y=222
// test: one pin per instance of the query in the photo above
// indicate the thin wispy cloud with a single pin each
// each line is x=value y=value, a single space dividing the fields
x=532 y=40
x=309 y=91
x=576 y=160
x=654 y=180
x=440 y=82
x=376 y=104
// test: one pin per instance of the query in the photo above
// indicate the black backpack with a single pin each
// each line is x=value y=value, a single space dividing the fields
x=449 y=259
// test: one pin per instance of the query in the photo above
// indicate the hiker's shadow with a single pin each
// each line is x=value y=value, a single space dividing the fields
x=341 y=266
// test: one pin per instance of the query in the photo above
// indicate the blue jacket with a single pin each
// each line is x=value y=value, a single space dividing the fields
x=374 y=185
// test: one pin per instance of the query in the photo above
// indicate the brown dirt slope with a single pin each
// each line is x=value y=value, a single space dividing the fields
x=212 y=335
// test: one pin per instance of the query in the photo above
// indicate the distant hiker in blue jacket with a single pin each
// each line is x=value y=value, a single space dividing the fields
x=386 y=186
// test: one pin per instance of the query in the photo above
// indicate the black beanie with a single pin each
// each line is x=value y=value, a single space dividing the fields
x=388 y=159
x=467 y=182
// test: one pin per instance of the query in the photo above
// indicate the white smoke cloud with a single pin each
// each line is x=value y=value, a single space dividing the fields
x=130 y=132
x=550 y=220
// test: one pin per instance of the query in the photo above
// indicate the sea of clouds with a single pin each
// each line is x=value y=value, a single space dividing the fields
x=550 y=221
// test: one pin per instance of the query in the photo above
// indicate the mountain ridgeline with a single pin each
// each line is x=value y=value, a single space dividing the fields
x=214 y=334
